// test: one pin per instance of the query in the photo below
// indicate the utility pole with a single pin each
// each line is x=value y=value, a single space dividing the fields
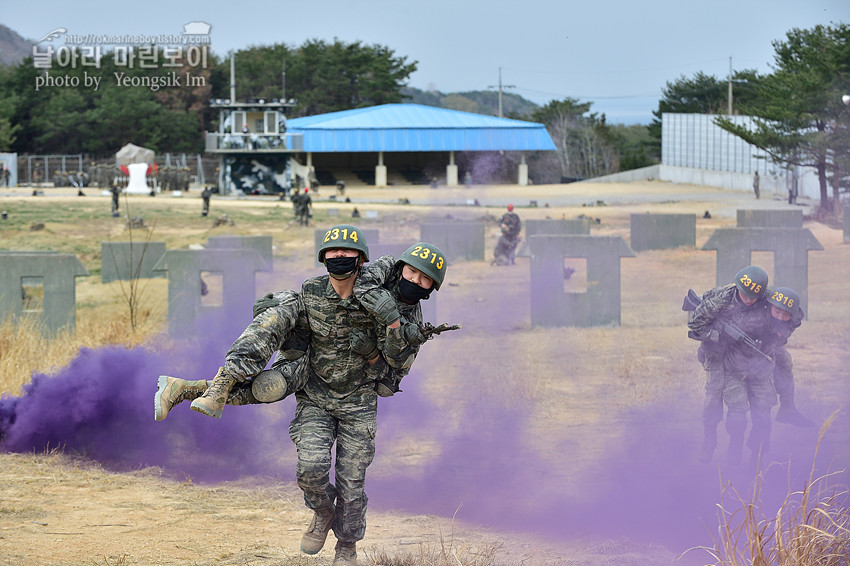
x=729 y=107
x=501 y=86
x=283 y=74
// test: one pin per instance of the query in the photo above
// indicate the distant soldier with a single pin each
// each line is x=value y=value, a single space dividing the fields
x=184 y=180
x=205 y=195
x=510 y=225
x=756 y=184
x=306 y=203
x=113 y=188
x=296 y=202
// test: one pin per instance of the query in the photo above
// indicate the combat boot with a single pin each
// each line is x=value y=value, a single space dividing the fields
x=345 y=554
x=172 y=390
x=789 y=414
x=212 y=402
x=314 y=538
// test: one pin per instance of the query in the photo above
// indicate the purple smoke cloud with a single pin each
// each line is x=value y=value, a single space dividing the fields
x=647 y=486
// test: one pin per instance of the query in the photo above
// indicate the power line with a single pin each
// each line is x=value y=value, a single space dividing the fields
x=501 y=86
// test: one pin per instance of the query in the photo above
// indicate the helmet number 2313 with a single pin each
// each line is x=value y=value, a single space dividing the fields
x=426 y=254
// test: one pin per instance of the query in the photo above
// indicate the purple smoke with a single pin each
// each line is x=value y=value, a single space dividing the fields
x=101 y=406
x=646 y=486
x=652 y=488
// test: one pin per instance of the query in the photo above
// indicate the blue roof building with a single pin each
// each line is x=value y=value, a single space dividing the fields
x=414 y=128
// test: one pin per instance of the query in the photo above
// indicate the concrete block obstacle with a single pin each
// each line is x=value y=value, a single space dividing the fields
x=600 y=304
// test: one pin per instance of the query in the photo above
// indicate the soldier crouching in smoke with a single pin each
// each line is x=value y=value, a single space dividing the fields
x=510 y=226
x=343 y=340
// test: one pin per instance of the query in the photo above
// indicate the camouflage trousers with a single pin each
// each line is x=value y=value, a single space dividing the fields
x=267 y=385
x=752 y=390
x=715 y=380
x=783 y=375
x=351 y=423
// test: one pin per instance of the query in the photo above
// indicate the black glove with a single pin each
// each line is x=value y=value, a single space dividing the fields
x=264 y=303
x=412 y=335
x=380 y=304
x=363 y=344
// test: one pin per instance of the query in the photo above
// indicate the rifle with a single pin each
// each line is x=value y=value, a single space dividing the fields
x=692 y=301
x=428 y=330
x=741 y=336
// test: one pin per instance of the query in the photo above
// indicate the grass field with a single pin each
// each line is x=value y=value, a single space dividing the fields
x=509 y=445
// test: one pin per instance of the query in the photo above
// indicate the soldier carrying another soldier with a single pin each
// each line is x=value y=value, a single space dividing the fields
x=352 y=334
x=743 y=328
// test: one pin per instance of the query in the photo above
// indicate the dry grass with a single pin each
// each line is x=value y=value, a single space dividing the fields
x=450 y=551
x=25 y=350
x=575 y=379
x=810 y=528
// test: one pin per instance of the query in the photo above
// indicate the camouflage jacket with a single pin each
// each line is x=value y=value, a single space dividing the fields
x=510 y=224
x=394 y=348
x=330 y=320
x=334 y=363
x=719 y=306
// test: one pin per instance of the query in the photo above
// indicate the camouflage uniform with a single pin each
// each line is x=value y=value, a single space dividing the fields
x=205 y=196
x=749 y=379
x=511 y=225
x=397 y=354
x=783 y=375
x=338 y=404
x=334 y=386
x=271 y=331
x=719 y=306
x=509 y=239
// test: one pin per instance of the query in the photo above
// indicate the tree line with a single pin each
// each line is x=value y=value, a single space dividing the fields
x=798 y=114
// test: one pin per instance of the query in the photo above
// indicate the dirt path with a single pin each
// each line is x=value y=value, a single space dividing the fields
x=585 y=437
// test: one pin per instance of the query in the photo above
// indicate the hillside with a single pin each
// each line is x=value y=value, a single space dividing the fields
x=476 y=101
x=13 y=47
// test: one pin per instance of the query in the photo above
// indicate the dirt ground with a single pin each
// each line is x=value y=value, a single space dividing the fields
x=64 y=509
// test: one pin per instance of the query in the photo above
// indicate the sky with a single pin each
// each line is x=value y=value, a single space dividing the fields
x=618 y=55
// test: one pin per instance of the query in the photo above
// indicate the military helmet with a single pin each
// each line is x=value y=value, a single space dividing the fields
x=428 y=259
x=784 y=298
x=344 y=236
x=752 y=281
